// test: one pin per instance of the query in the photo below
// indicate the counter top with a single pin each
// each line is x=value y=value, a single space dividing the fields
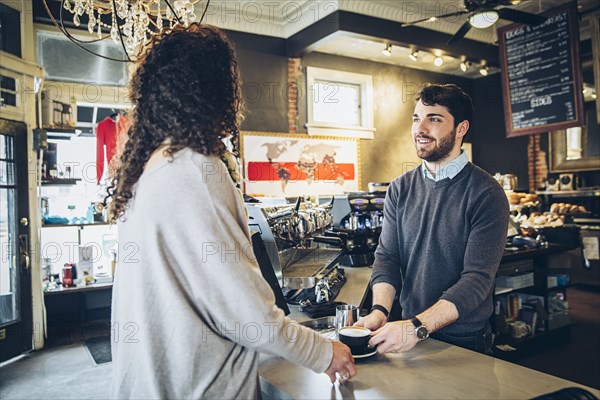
x=529 y=253
x=76 y=289
x=432 y=370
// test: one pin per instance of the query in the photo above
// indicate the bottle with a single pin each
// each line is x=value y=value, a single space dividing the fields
x=72 y=218
x=89 y=215
x=67 y=275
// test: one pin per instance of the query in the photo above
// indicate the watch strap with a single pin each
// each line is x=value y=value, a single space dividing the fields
x=380 y=308
x=416 y=322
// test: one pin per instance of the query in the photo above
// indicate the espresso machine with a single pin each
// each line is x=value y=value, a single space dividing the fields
x=358 y=219
x=302 y=257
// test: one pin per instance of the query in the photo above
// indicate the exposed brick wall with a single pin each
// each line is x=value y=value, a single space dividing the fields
x=294 y=72
x=537 y=163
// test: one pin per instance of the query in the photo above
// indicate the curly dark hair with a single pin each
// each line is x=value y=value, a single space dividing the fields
x=185 y=91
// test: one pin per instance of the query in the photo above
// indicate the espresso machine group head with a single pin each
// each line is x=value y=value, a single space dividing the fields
x=293 y=237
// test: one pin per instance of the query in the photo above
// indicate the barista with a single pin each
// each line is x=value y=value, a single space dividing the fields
x=443 y=236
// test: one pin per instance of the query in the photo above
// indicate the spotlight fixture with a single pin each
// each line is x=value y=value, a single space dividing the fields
x=438 y=61
x=483 y=19
x=484 y=70
x=413 y=55
x=388 y=50
x=464 y=64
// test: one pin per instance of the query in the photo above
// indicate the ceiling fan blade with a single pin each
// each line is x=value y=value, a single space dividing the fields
x=460 y=33
x=522 y=17
x=454 y=14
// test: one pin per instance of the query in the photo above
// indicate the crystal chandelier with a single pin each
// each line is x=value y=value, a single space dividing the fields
x=131 y=23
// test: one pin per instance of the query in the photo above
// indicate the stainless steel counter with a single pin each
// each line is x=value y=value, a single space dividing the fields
x=432 y=370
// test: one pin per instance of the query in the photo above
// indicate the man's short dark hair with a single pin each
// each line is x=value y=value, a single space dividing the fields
x=452 y=97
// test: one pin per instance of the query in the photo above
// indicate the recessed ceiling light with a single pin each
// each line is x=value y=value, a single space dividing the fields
x=484 y=70
x=438 y=61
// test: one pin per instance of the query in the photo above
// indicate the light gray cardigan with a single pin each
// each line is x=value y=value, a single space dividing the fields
x=190 y=308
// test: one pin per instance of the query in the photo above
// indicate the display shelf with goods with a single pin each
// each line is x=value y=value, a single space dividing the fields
x=582 y=205
x=60 y=181
x=531 y=310
x=74 y=227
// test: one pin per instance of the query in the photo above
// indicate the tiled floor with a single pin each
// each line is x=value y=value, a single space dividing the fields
x=62 y=372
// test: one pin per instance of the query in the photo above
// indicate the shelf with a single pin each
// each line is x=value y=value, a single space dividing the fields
x=592 y=192
x=499 y=290
x=60 y=181
x=586 y=220
x=73 y=225
x=531 y=345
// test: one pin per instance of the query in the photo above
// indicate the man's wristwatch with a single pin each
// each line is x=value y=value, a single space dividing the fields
x=380 y=308
x=420 y=330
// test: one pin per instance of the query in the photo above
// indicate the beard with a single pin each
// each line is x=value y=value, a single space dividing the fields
x=443 y=147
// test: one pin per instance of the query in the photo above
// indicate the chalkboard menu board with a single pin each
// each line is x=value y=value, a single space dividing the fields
x=541 y=78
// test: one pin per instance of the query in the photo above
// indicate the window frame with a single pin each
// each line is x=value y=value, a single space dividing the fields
x=366 y=129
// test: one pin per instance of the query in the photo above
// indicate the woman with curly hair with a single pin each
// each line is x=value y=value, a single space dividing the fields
x=190 y=308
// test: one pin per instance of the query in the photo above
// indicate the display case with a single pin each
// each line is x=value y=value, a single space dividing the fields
x=530 y=300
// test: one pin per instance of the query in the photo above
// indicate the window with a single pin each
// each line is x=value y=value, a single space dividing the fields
x=8 y=91
x=339 y=103
x=10 y=30
x=65 y=62
x=90 y=114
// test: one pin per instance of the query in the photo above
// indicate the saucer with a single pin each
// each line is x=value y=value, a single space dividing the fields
x=365 y=355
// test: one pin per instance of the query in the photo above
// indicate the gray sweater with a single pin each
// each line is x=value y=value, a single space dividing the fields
x=443 y=240
x=190 y=308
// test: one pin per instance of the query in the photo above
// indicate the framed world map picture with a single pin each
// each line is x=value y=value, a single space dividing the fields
x=281 y=164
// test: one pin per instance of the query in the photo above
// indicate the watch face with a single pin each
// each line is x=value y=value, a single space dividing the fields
x=422 y=332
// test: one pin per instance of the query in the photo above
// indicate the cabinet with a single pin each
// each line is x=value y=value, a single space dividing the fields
x=531 y=304
x=72 y=306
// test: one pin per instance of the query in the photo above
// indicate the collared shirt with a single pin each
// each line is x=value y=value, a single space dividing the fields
x=449 y=170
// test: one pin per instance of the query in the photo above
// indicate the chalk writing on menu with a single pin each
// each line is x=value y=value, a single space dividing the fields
x=539 y=75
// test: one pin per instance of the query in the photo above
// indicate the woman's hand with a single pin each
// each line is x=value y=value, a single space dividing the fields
x=342 y=363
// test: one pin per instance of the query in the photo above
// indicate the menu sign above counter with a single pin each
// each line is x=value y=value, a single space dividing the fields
x=540 y=74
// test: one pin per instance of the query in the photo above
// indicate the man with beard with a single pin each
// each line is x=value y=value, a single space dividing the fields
x=443 y=236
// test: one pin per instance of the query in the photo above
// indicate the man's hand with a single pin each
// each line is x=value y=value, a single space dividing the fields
x=342 y=363
x=394 y=337
x=373 y=321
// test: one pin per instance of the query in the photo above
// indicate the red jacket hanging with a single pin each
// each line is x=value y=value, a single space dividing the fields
x=106 y=135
